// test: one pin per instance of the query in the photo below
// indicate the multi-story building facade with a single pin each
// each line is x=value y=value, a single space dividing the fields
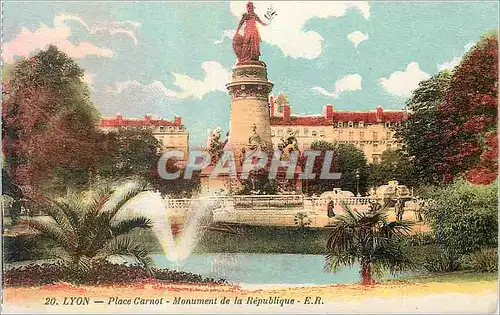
x=170 y=134
x=370 y=131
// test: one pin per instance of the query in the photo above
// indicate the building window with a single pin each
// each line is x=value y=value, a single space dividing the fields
x=389 y=135
x=375 y=146
x=361 y=135
x=387 y=125
x=314 y=133
x=389 y=146
x=375 y=159
x=398 y=124
x=351 y=135
x=339 y=124
x=289 y=130
x=162 y=128
x=321 y=133
x=297 y=132
x=361 y=124
x=375 y=136
x=350 y=124
x=306 y=132
x=346 y=125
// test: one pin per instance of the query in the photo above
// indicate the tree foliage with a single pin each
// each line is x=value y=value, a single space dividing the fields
x=452 y=126
x=394 y=165
x=470 y=110
x=48 y=122
x=421 y=134
x=464 y=216
x=346 y=160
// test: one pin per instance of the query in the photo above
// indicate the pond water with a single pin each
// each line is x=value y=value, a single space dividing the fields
x=252 y=268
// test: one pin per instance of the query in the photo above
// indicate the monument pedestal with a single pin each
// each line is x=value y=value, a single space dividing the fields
x=250 y=126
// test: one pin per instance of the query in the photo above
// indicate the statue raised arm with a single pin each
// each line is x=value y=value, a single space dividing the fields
x=247 y=46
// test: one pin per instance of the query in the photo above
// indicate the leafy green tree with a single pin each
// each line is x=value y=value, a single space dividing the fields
x=394 y=165
x=85 y=226
x=422 y=134
x=464 y=216
x=452 y=126
x=134 y=153
x=346 y=160
x=369 y=239
x=49 y=126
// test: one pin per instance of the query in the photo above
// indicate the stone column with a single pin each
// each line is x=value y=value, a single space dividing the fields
x=249 y=91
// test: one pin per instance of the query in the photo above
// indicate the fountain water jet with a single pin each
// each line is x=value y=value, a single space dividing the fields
x=153 y=206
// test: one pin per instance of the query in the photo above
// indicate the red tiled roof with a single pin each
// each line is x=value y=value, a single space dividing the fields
x=301 y=121
x=367 y=117
x=123 y=122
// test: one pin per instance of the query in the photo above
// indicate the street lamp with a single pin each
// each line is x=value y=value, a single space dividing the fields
x=357 y=183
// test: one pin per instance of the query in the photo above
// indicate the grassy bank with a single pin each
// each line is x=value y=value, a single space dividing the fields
x=451 y=277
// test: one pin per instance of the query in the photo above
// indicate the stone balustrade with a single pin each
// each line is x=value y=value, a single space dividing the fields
x=270 y=202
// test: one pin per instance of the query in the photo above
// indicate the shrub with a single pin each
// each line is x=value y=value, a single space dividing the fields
x=463 y=216
x=483 y=260
x=444 y=261
x=420 y=238
x=101 y=272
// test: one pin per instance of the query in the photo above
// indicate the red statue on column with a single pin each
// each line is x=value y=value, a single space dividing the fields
x=247 y=46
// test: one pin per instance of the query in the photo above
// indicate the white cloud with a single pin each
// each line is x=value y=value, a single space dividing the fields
x=29 y=41
x=357 y=38
x=350 y=82
x=287 y=29
x=127 y=28
x=156 y=87
x=451 y=64
x=402 y=83
x=225 y=33
x=215 y=79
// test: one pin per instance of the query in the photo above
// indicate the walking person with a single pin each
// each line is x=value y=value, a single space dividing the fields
x=330 y=208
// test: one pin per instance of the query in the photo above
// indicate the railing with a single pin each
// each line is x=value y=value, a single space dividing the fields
x=319 y=203
x=265 y=202
x=268 y=201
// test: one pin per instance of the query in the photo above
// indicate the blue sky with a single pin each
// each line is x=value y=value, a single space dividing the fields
x=173 y=58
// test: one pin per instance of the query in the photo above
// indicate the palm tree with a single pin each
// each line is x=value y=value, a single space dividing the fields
x=369 y=239
x=85 y=226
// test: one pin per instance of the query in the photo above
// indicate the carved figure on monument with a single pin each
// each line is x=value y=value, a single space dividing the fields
x=216 y=146
x=289 y=145
x=255 y=142
x=247 y=46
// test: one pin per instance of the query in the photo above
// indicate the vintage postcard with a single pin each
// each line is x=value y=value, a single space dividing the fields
x=207 y=157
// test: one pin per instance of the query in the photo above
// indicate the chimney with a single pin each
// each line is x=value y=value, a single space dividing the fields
x=147 y=117
x=328 y=111
x=119 y=117
x=286 y=113
x=178 y=120
x=380 y=113
x=271 y=104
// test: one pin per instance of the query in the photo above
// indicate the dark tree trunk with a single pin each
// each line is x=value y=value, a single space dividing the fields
x=366 y=274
